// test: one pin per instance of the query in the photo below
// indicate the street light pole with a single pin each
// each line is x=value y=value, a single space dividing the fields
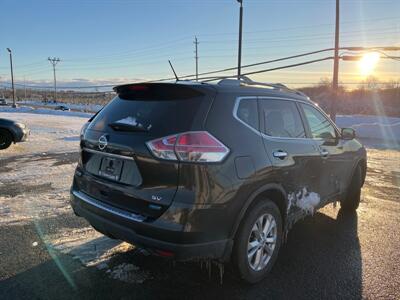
x=335 y=80
x=240 y=38
x=14 y=105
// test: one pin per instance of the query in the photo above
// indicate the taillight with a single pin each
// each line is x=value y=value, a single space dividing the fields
x=199 y=146
x=196 y=146
x=164 y=147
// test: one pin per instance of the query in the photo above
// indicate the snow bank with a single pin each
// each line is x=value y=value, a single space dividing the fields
x=74 y=106
x=372 y=127
x=44 y=111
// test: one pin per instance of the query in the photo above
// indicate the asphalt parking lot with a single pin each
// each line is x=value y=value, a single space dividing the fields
x=46 y=252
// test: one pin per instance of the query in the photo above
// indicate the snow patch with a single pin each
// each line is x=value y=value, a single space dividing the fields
x=87 y=245
x=128 y=121
x=131 y=121
x=92 y=248
x=305 y=200
x=128 y=273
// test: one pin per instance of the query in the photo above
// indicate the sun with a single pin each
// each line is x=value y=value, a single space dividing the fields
x=368 y=63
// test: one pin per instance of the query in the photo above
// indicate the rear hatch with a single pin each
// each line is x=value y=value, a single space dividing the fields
x=119 y=168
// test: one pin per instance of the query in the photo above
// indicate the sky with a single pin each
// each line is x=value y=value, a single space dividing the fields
x=115 y=41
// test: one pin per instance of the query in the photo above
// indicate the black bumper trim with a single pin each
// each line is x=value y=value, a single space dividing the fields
x=220 y=249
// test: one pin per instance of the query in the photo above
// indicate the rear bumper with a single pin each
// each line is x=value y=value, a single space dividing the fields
x=154 y=236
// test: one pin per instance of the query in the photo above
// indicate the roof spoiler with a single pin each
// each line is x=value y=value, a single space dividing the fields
x=156 y=91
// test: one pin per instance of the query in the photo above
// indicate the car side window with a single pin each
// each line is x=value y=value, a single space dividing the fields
x=281 y=118
x=247 y=112
x=320 y=126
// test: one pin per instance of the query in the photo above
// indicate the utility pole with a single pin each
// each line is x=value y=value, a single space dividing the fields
x=14 y=105
x=54 y=61
x=335 y=80
x=196 y=43
x=240 y=38
x=25 y=87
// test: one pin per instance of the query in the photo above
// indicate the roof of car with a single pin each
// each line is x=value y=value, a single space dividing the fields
x=241 y=87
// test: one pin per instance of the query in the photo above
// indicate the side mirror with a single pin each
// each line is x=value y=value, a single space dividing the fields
x=348 y=133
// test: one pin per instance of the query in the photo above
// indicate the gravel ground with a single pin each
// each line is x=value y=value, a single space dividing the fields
x=46 y=252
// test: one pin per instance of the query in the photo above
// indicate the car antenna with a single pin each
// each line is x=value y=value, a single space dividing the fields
x=173 y=70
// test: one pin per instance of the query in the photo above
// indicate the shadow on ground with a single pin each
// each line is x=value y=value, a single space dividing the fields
x=321 y=259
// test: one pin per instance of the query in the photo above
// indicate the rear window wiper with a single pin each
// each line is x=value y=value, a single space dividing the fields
x=127 y=127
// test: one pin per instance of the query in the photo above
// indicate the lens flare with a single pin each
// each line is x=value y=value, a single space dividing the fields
x=368 y=63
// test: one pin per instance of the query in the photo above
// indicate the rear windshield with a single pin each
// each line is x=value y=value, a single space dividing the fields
x=159 y=116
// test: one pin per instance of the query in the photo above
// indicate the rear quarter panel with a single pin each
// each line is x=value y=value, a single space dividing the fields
x=221 y=185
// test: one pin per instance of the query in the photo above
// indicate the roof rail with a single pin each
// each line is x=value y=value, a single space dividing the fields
x=228 y=81
x=247 y=81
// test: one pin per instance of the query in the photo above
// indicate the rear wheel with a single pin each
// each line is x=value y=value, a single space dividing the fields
x=258 y=241
x=5 y=139
x=352 y=199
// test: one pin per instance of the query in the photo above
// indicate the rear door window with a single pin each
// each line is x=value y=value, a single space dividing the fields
x=247 y=112
x=281 y=118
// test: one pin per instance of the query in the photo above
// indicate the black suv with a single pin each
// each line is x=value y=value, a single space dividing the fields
x=213 y=171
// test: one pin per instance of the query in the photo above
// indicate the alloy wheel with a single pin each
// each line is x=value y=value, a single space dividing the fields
x=262 y=242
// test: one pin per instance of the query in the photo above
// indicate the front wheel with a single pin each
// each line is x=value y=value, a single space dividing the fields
x=258 y=241
x=353 y=196
x=5 y=139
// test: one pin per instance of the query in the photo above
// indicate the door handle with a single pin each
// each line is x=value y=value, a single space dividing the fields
x=280 y=154
x=324 y=153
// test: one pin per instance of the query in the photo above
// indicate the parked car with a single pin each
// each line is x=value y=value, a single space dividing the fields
x=213 y=171
x=12 y=132
x=3 y=102
x=62 y=107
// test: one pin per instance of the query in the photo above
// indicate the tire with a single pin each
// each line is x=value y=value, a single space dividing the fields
x=353 y=195
x=6 y=139
x=245 y=267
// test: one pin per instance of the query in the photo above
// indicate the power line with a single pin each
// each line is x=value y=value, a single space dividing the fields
x=312 y=37
x=290 y=57
x=37 y=69
x=206 y=79
x=300 y=38
x=173 y=43
x=387 y=48
x=124 y=65
x=155 y=47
